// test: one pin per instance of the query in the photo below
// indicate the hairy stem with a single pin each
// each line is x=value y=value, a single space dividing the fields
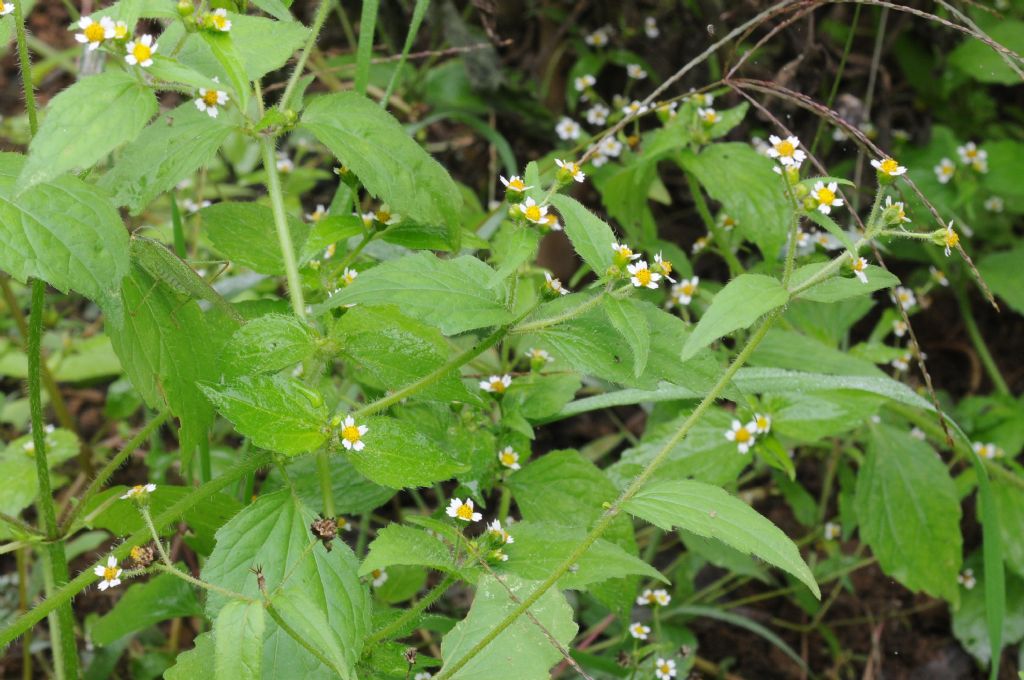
x=396 y=626
x=300 y=65
x=994 y=374
x=284 y=235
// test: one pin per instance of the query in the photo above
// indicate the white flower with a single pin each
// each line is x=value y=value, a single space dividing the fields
x=219 y=20
x=540 y=356
x=888 y=166
x=700 y=244
x=827 y=240
x=6 y=8
x=624 y=252
x=533 y=212
x=317 y=214
x=191 y=206
x=509 y=458
x=597 y=114
x=210 y=101
x=93 y=32
x=860 y=266
x=665 y=669
x=141 y=51
x=902 y=363
x=651 y=28
x=554 y=285
x=826 y=196
x=641 y=276
x=284 y=164
x=634 y=108
x=945 y=170
x=645 y=598
x=708 y=115
x=760 y=146
x=498 y=555
x=110 y=574
x=966 y=579
x=971 y=155
x=379 y=577
x=667 y=108
x=496 y=383
x=571 y=168
x=598 y=159
x=896 y=210
x=787 y=151
x=422 y=676
x=635 y=71
x=938 y=276
x=950 y=238
x=121 y=31
x=348 y=276
x=701 y=98
x=905 y=297
x=584 y=82
x=727 y=222
x=899 y=328
x=918 y=433
x=139 y=490
x=661 y=597
x=994 y=204
x=762 y=423
x=832 y=531
x=567 y=129
x=610 y=147
x=663 y=267
x=598 y=38
x=463 y=511
x=352 y=434
x=343 y=524
x=514 y=183
x=989 y=450
x=742 y=434
x=385 y=216
x=639 y=631
x=683 y=292
x=495 y=530
x=839 y=135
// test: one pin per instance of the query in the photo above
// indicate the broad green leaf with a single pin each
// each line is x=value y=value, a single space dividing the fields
x=970 y=626
x=909 y=513
x=743 y=182
x=781 y=381
x=166 y=345
x=984 y=64
x=353 y=493
x=268 y=344
x=274 y=533
x=144 y=604
x=837 y=288
x=513 y=246
x=450 y=294
x=1009 y=500
x=238 y=636
x=742 y=302
x=390 y=165
x=309 y=621
x=789 y=349
x=1005 y=276
x=170 y=149
x=245 y=233
x=222 y=46
x=196 y=663
x=65 y=232
x=398 y=454
x=85 y=122
x=400 y=544
x=276 y=413
x=275 y=8
x=629 y=320
x=521 y=651
x=538 y=396
x=831 y=227
x=590 y=236
x=389 y=351
x=172 y=71
x=18 y=469
x=330 y=230
x=709 y=511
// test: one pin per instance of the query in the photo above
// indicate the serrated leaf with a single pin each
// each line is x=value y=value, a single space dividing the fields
x=64 y=232
x=984 y=64
x=268 y=344
x=709 y=511
x=1009 y=501
x=590 y=236
x=222 y=46
x=196 y=663
x=353 y=493
x=389 y=164
x=245 y=233
x=1005 y=276
x=781 y=381
x=144 y=604
x=831 y=227
x=170 y=149
x=238 y=639
x=399 y=544
x=521 y=651
x=450 y=294
x=632 y=325
x=399 y=455
x=308 y=620
x=836 y=288
x=171 y=70
x=85 y=122
x=275 y=412
x=909 y=513
x=742 y=302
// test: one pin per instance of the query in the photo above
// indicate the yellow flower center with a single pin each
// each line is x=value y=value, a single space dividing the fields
x=643 y=276
x=348 y=278
x=762 y=422
x=742 y=435
x=375 y=573
x=516 y=184
x=464 y=512
x=625 y=253
x=138 y=488
x=688 y=289
x=952 y=238
x=508 y=458
x=141 y=52
x=383 y=216
x=350 y=433
x=971 y=153
x=665 y=668
x=666 y=267
x=785 y=148
x=497 y=386
x=94 y=32
x=109 y=573
x=889 y=166
x=120 y=31
x=826 y=196
x=219 y=21
x=572 y=168
x=710 y=117
x=533 y=213
x=858 y=266
x=135 y=553
x=210 y=97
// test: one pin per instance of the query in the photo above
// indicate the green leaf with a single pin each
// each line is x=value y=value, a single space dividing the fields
x=171 y=70
x=276 y=413
x=144 y=604
x=709 y=511
x=170 y=149
x=781 y=381
x=970 y=626
x=742 y=302
x=629 y=320
x=539 y=396
x=222 y=45
x=400 y=544
x=390 y=351
x=1009 y=499
x=831 y=227
x=590 y=236
x=909 y=513
x=275 y=8
x=273 y=533
x=389 y=164
x=268 y=344
x=984 y=64
x=837 y=288
x=450 y=294
x=522 y=641
x=18 y=469
x=743 y=182
x=65 y=232
x=196 y=663
x=245 y=233
x=1004 y=275
x=238 y=636
x=308 y=621
x=352 y=492
x=399 y=455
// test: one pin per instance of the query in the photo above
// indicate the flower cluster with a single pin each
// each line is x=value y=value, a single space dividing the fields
x=642 y=274
x=496 y=535
x=745 y=434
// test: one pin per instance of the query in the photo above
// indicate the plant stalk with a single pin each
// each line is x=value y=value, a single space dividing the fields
x=284 y=236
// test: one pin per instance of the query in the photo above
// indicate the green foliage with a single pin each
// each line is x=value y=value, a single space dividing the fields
x=162 y=598
x=590 y=236
x=238 y=640
x=268 y=344
x=244 y=233
x=399 y=455
x=742 y=302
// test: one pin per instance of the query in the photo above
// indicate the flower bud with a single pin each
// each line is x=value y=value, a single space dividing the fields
x=185 y=8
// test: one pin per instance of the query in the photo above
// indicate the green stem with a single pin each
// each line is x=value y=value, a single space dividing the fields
x=144 y=511
x=230 y=594
x=979 y=344
x=735 y=268
x=615 y=508
x=25 y=63
x=300 y=65
x=284 y=236
x=323 y=465
x=393 y=628
x=301 y=639
x=567 y=315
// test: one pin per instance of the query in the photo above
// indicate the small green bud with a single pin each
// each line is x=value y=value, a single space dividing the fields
x=801 y=190
x=185 y=8
x=810 y=204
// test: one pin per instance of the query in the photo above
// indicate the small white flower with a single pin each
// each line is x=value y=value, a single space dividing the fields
x=989 y=451
x=385 y=216
x=572 y=168
x=641 y=276
x=624 y=253
x=597 y=114
x=661 y=597
x=422 y=676
x=700 y=244
x=826 y=196
x=495 y=530
x=727 y=222
x=540 y=356
x=832 y=531
x=683 y=292
x=110 y=574
x=219 y=20
x=708 y=115
x=348 y=276
x=902 y=364
x=860 y=267
x=598 y=159
x=634 y=108
x=970 y=154
x=663 y=267
x=905 y=297
x=899 y=328
x=567 y=129
x=514 y=183
x=509 y=458
x=317 y=214
x=121 y=31
x=839 y=135
x=888 y=166
x=665 y=669
x=645 y=598
x=762 y=423
x=896 y=210
x=667 y=108
x=761 y=146
x=584 y=82
x=787 y=151
x=966 y=579
x=827 y=240
x=639 y=631
x=284 y=163
x=938 y=276
x=191 y=206
x=945 y=170
x=651 y=28
x=368 y=218
x=496 y=383
x=352 y=434
x=918 y=433
x=139 y=490
x=343 y=524
x=93 y=32
x=552 y=223
x=533 y=212
x=141 y=52
x=6 y=8
x=463 y=511
x=210 y=101
x=554 y=285
x=950 y=238
x=598 y=38
x=994 y=204
x=701 y=98
x=742 y=434
x=635 y=71
x=610 y=147
x=378 y=577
